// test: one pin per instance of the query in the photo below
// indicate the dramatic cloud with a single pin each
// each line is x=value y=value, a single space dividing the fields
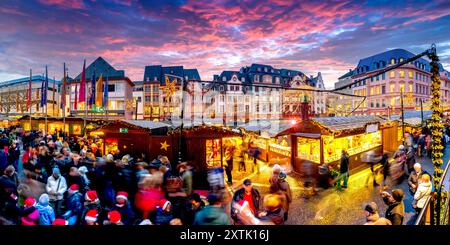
x=311 y=36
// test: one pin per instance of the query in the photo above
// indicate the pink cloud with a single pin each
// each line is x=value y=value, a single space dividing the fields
x=66 y=4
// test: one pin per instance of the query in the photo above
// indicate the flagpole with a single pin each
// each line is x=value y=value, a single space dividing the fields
x=46 y=104
x=29 y=94
x=63 y=89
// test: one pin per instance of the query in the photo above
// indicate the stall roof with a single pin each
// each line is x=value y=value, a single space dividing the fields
x=307 y=135
x=336 y=124
x=415 y=121
x=413 y=114
x=146 y=124
x=270 y=127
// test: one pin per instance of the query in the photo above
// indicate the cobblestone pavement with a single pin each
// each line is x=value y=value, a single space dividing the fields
x=330 y=206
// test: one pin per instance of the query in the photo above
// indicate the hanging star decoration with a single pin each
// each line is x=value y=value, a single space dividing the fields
x=164 y=145
x=169 y=88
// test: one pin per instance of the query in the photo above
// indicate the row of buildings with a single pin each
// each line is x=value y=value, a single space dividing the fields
x=236 y=96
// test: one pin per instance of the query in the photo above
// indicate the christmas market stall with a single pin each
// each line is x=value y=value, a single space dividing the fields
x=321 y=140
x=131 y=137
x=204 y=145
x=272 y=137
x=74 y=125
x=6 y=122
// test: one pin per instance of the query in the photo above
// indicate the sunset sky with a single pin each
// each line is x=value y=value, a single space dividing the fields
x=310 y=36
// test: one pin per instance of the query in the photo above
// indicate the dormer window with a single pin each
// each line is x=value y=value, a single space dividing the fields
x=392 y=61
x=401 y=59
x=259 y=69
x=272 y=71
x=289 y=73
x=185 y=77
x=155 y=78
x=148 y=79
x=265 y=69
x=224 y=79
x=242 y=79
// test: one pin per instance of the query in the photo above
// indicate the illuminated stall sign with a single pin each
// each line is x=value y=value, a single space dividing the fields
x=371 y=128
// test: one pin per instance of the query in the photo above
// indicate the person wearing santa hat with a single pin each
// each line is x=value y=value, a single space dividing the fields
x=91 y=217
x=123 y=207
x=91 y=202
x=114 y=218
x=74 y=204
x=164 y=213
x=30 y=214
x=60 y=222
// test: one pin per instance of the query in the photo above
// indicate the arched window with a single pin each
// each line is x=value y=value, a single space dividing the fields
x=401 y=60
x=392 y=61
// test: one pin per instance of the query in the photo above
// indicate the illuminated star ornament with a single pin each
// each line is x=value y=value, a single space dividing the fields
x=164 y=145
x=169 y=88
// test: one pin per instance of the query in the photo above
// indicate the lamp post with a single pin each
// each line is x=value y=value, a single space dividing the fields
x=421 y=111
x=183 y=84
x=403 y=116
x=138 y=99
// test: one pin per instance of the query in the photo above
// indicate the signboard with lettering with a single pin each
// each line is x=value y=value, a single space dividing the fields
x=371 y=128
x=124 y=130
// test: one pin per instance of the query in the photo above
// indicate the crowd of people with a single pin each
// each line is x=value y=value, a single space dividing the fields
x=66 y=181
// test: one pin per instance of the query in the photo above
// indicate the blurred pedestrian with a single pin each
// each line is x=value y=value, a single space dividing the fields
x=213 y=214
x=249 y=194
x=396 y=208
x=372 y=216
x=422 y=193
x=46 y=212
x=56 y=186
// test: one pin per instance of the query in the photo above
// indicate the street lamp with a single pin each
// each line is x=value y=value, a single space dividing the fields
x=138 y=99
x=182 y=114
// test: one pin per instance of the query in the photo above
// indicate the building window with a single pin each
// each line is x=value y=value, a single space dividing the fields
x=383 y=89
x=378 y=77
x=155 y=88
x=256 y=78
x=265 y=69
x=231 y=88
x=221 y=87
x=371 y=104
x=417 y=76
x=377 y=90
x=111 y=87
x=155 y=110
x=259 y=68
x=402 y=73
x=383 y=76
x=371 y=90
x=242 y=79
x=371 y=79
x=392 y=88
x=267 y=78
x=147 y=99
x=147 y=88
x=148 y=79
x=410 y=74
x=383 y=104
x=410 y=87
x=378 y=104
x=402 y=87
x=155 y=98
x=224 y=79
x=277 y=79
x=392 y=61
x=401 y=59
x=392 y=74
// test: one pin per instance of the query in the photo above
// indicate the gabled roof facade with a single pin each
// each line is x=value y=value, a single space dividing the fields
x=157 y=73
x=101 y=67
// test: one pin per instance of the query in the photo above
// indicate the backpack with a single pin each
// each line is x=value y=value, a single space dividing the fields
x=174 y=184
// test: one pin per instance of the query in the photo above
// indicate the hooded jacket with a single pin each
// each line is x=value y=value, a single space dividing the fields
x=422 y=193
x=211 y=215
x=46 y=213
x=395 y=213
x=239 y=195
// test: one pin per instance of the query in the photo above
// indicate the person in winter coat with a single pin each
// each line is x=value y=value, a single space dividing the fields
x=273 y=180
x=148 y=196
x=195 y=205
x=56 y=186
x=249 y=194
x=410 y=159
x=74 y=205
x=186 y=175
x=422 y=193
x=396 y=208
x=74 y=178
x=213 y=214
x=91 y=217
x=31 y=216
x=273 y=209
x=83 y=173
x=372 y=216
x=14 y=155
x=163 y=213
x=124 y=208
x=343 y=170
x=46 y=213
x=384 y=161
x=415 y=178
x=8 y=185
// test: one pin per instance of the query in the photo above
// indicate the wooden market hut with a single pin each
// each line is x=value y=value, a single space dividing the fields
x=131 y=137
x=74 y=125
x=321 y=140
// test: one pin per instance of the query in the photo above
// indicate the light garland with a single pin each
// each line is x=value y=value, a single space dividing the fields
x=436 y=127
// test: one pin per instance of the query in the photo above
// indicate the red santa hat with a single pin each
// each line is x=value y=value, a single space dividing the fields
x=91 y=215
x=91 y=196
x=164 y=203
x=114 y=216
x=74 y=188
x=60 y=222
x=29 y=202
x=123 y=195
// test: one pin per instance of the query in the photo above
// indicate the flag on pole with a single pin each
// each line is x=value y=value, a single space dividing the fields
x=44 y=89
x=92 y=91
x=53 y=96
x=99 y=90
x=63 y=90
x=29 y=93
x=82 y=94
x=105 y=94
x=75 y=104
